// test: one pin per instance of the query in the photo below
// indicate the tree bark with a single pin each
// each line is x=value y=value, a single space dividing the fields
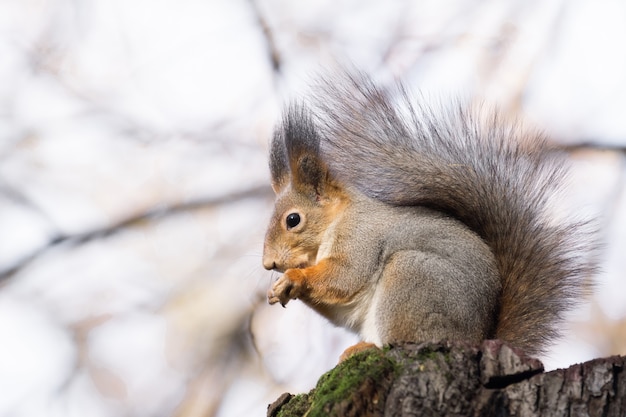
x=457 y=379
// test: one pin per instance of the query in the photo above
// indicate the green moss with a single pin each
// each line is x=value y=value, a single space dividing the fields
x=341 y=382
x=297 y=406
x=371 y=367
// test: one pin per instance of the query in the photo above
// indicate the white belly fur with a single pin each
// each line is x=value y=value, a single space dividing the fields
x=360 y=316
x=369 y=329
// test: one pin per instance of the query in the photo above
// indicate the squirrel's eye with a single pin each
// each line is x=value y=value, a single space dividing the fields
x=292 y=220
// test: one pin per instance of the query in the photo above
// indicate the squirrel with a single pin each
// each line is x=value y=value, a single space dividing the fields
x=407 y=222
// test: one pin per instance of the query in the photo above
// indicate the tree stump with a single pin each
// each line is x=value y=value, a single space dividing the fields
x=458 y=379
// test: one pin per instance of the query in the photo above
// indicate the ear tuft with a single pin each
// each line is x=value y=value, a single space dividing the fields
x=312 y=173
x=302 y=142
x=279 y=162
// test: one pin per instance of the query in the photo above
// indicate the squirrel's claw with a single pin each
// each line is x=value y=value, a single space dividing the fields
x=272 y=298
x=282 y=291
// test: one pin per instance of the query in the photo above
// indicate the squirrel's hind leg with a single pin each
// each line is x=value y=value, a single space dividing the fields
x=438 y=300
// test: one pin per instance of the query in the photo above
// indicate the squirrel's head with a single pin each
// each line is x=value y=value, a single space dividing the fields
x=307 y=198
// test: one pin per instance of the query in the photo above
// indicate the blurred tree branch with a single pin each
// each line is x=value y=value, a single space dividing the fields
x=268 y=35
x=150 y=215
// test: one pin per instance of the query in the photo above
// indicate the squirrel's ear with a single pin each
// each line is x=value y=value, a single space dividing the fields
x=309 y=174
x=279 y=162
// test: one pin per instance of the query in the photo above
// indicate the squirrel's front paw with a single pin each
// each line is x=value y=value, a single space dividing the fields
x=286 y=288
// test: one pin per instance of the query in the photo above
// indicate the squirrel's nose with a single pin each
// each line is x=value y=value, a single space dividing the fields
x=269 y=264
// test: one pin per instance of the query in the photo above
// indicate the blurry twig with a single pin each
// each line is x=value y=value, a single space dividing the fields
x=13 y=194
x=594 y=144
x=274 y=54
x=261 y=191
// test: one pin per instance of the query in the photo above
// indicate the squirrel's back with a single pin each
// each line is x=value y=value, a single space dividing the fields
x=489 y=173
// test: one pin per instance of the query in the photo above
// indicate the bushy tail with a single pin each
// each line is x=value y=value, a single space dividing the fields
x=471 y=164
